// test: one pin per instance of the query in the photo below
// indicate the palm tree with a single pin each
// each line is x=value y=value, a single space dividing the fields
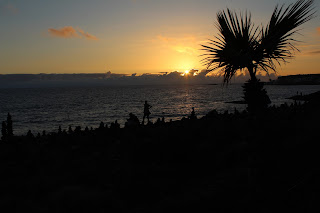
x=242 y=46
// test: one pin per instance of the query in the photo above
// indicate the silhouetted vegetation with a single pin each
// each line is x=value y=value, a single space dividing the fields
x=194 y=164
x=240 y=45
x=4 y=131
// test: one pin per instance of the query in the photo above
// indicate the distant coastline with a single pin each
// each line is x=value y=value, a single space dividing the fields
x=303 y=79
x=110 y=79
x=113 y=79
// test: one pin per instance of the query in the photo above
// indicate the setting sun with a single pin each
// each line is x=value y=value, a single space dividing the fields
x=186 y=73
x=192 y=72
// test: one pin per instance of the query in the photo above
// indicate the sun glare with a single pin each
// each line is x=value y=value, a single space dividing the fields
x=191 y=72
x=185 y=73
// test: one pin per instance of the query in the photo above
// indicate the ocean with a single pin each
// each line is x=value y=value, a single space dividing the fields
x=39 y=109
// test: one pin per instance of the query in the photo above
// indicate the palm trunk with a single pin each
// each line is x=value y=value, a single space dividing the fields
x=252 y=73
x=254 y=94
x=250 y=89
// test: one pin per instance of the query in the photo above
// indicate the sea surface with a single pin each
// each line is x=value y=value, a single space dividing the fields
x=39 y=109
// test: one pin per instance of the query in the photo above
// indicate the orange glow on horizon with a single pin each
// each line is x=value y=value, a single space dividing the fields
x=168 y=40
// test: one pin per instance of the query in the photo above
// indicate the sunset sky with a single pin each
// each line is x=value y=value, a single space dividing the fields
x=127 y=36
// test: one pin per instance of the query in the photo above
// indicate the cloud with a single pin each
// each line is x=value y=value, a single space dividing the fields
x=314 y=52
x=70 y=32
x=165 y=39
x=9 y=9
x=65 y=32
x=318 y=31
x=185 y=49
x=87 y=35
x=184 y=45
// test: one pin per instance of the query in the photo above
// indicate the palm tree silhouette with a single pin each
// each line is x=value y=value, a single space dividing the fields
x=240 y=45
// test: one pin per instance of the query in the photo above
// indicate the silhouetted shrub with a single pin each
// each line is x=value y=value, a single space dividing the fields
x=4 y=130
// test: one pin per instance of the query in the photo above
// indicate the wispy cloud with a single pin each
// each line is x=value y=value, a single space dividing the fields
x=65 y=32
x=183 y=44
x=165 y=39
x=185 y=49
x=314 y=52
x=87 y=35
x=70 y=32
x=9 y=9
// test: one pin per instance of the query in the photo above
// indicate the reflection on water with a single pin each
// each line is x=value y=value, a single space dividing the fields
x=47 y=108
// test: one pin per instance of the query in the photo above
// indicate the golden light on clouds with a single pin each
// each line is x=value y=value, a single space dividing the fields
x=192 y=72
x=64 y=32
x=165 y=39
x=184 y=49
x=184 y=44
x=318 y=31
x=70 y=32
x=177 y=52
x=87 y=35
x=185 y=73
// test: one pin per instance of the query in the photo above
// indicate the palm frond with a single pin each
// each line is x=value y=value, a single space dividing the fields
x=275 y=45
x=235 y=44
x=239 y=45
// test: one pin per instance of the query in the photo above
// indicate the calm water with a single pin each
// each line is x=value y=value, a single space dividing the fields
x=46 y=108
